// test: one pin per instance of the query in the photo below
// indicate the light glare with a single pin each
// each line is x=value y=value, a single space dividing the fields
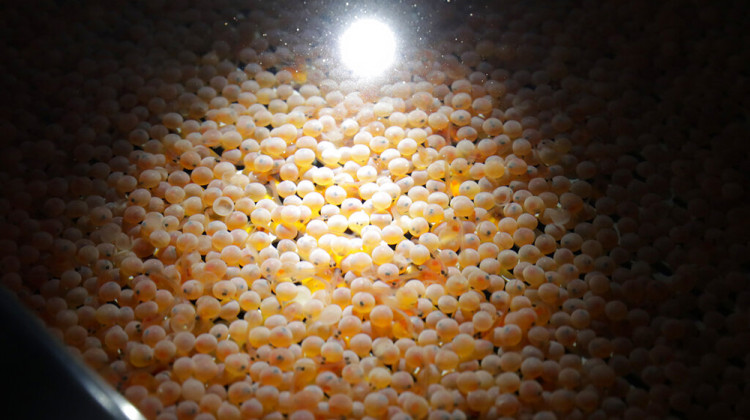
x=368 y=47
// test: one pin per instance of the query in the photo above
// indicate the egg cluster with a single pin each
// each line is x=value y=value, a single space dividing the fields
x=538 y=214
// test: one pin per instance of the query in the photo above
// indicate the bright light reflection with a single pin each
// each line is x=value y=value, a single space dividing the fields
x=368 y=47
